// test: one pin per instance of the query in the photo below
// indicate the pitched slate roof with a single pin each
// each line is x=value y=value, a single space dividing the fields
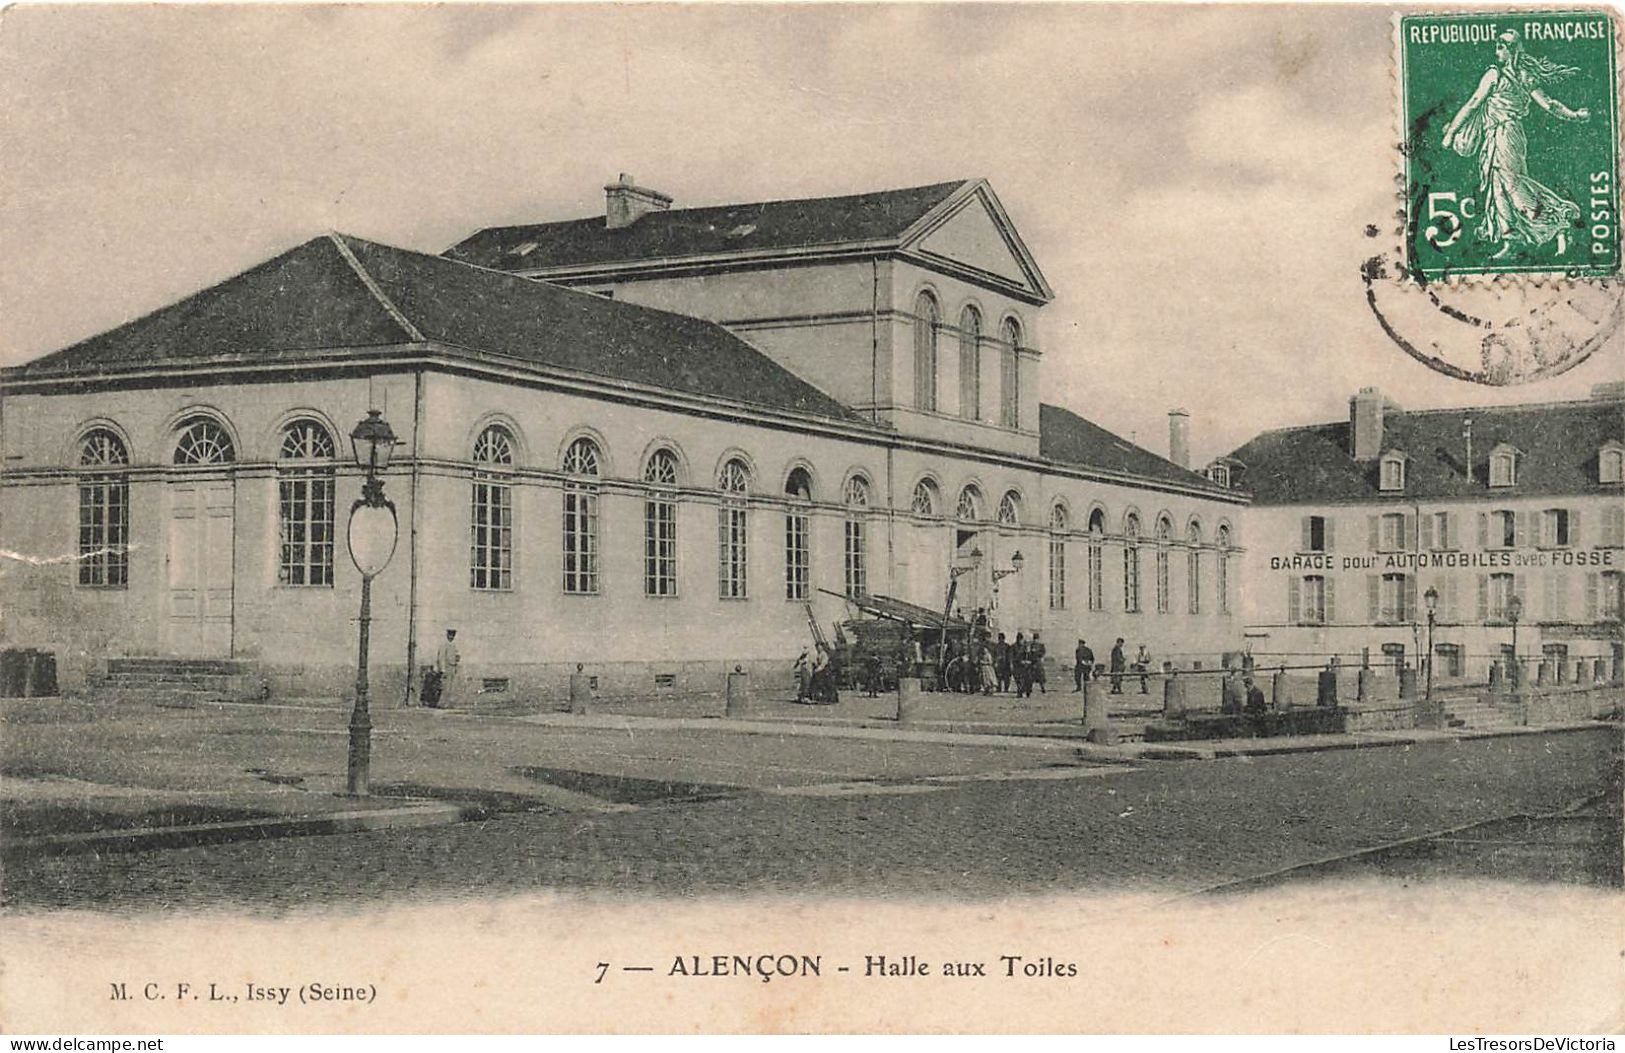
x=758 y=227
x=338 y=292
x=1557 y=442
x=1066 y=438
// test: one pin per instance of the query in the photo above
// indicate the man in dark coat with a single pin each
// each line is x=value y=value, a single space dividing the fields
x=1083 y=664
x=1117 y=667
x=1001 y=663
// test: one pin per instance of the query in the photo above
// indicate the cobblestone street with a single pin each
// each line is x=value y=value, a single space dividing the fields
x=1161 y=826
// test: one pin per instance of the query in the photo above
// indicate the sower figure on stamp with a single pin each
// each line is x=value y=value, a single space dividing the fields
x=1515 y=208
x=446 y=660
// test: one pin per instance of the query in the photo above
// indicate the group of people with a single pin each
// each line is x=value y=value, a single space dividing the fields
x=1084 y=667
x=996 y=665
x=815 y=676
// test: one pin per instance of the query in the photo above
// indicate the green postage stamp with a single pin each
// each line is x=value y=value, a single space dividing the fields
x=1511 y=143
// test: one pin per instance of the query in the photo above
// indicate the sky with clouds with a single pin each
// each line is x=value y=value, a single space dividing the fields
x=1195 y=181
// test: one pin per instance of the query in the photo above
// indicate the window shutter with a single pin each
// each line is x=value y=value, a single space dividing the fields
x=1410 y=598
x=1452 y=530
x=1427 y=533
x=1483 y=530
x=1560 y=592
x=1331 y=601
x=1292 y=601
x=1373 y=585
x=1374 y=536
x=1452 y=600
x=1592 y=583
x=1407 y=539
x=1522 y=531
x=1306 y=535
x=1331 y=542
x=1483 y=598
x=1518 y=591
x=1574 y=527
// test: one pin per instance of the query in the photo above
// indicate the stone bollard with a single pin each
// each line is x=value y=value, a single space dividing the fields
x=1407 y=685
x=1599 y=670
x=1367 y=689
x=1619 y=671
x=1173 y=698
x=1280 y=692
x=736 y=693
x=910 y=699
x=1543 y=673
x=580 y=692
x=1097 y=725
x=1326 y=696
x=1498 y=684
x=1582 y=673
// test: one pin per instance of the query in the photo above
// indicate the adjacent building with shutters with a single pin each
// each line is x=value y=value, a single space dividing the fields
x=1504 y=512
x=644 y=442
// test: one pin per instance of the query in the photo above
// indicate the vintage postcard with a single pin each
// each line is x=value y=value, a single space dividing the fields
x=774 y=518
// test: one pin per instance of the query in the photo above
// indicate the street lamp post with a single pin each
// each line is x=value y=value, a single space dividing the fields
x=1514 y=612
x=1431 y=597
x=372 y=535
x=1016 y=560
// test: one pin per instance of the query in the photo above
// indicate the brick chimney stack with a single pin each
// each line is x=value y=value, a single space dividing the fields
x=1365 y=424
x=1179 y=437
x=625 y=202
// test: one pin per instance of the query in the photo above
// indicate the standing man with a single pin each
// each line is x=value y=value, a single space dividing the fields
x=1001 y=663
x=1021 y=666
x=1036 y=649
x=1142 y=662
x=1117 y=667
x=1083 y=664
x=446 y=661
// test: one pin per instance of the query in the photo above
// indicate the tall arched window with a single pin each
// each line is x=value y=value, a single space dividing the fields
x=1224 y=569
x=660 y=525
x=857 y=543
x=305 y=504
x=1010 y=508
x=970 y=363
x=104 y=510
x=1057 y=557
x=969 y=506
x=798 y=536
x=1165 y=534
x=490 y=561
x=925 y=501
x=732 y=529
x=927 y=318
x=202 y=441
x=1193 y=561
x=1097 y=560
x=1131 y=563
x=582 y=468
x=1010 y=375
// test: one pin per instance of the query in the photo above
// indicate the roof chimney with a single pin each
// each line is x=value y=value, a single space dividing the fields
x=1179 y=437
x=1365 y=424
x=625 y=201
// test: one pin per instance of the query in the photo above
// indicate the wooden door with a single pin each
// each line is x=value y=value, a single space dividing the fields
x=202 y=541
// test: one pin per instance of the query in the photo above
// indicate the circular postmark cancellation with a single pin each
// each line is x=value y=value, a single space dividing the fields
x=1508 y=268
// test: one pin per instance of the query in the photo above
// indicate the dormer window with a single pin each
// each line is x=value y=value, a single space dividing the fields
x=1503 y=466
x=1219 y=474
x=1391 y=474
x=1611 y=463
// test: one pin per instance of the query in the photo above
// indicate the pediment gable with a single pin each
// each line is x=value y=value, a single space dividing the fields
x=970 y=233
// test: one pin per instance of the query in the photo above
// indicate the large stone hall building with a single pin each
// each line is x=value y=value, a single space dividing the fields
x=642 y=441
